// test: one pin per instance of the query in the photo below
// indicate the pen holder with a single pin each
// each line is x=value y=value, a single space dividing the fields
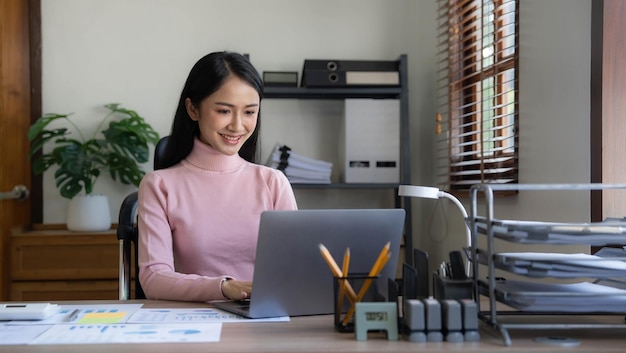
x=447 y=288
x=346 y=291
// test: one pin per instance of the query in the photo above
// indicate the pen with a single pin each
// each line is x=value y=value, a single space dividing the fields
x=443 y=270
x=72 y=316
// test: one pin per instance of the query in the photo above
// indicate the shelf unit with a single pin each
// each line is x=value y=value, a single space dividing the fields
x=560 y=298
x=399 y=92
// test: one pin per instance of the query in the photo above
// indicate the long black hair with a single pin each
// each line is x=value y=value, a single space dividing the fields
x=206 y=77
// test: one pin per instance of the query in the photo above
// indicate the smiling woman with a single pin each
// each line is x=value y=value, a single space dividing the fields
x=199 y=216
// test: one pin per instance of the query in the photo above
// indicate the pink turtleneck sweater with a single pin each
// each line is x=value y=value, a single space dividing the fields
x=199 y=221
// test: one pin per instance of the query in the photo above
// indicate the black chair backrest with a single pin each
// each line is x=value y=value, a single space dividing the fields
x=128 y=233
x=158 y=152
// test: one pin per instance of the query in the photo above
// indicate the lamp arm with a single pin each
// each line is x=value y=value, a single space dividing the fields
x=461 y=208
x=456 y=202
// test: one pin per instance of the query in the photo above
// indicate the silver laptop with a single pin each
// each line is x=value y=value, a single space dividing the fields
x=291 y=277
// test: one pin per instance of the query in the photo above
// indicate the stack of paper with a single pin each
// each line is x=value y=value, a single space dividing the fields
x=596 y=233
x=298 y=168
x=582 y=297
x=557 y=264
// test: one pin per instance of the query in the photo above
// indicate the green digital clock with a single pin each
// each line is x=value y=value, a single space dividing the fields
x=376 y=316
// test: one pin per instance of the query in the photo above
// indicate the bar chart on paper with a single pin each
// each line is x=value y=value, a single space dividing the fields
x=130 y=333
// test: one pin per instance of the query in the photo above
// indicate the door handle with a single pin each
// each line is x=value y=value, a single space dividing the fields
x=19 y=192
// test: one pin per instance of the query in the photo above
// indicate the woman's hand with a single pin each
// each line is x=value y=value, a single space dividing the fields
x=236 y=290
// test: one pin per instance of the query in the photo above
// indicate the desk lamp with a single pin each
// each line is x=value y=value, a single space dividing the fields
x=428 y=192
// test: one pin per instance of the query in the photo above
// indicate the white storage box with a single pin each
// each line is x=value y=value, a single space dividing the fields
x=372 y=141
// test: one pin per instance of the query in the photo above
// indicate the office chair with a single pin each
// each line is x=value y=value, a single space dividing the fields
x=128 y=235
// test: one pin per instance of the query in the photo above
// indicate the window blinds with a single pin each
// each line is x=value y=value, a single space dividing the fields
x=477 y=89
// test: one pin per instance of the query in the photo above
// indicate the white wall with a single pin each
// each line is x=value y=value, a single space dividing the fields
x=138 y=52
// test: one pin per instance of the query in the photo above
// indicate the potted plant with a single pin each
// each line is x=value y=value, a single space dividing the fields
x=118 y=149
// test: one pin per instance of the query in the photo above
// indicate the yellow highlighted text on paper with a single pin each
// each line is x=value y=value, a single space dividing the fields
x=102 y=318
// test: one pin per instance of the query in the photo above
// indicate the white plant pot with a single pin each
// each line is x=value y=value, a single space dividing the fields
x=89 y=213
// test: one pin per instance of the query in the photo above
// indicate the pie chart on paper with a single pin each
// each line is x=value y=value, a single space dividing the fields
x=185 y=332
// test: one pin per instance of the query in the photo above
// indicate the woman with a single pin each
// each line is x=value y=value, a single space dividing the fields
x=199 y=217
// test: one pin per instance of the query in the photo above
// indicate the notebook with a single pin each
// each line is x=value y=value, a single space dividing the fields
x=291 y=277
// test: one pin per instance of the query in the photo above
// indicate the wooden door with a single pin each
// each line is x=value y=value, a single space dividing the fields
x=608 y=106
x=15 y=117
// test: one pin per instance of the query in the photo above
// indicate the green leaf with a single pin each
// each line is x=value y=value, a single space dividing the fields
x=44 y=162
x=71 y=182
x=41 y=124
x=137 y=126
x=127 y=143
x=78 y=169
x=44 y=136
x=124 y=169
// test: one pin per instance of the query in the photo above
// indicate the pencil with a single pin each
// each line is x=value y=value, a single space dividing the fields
x=334 y=268
x=344 y=282
x=382 y=259
x=368 y=282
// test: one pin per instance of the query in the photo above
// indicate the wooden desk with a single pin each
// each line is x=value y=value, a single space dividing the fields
x=316 y=334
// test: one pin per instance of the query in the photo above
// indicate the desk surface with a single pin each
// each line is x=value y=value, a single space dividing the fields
x=316 y=334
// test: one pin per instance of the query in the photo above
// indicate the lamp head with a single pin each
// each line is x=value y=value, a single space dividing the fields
x=424 y=192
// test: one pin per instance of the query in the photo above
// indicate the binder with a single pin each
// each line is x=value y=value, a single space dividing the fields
x=323 y=78
x=350 y=65
x=343 y=73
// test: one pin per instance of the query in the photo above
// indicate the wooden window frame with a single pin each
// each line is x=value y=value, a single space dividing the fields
x=480 y=131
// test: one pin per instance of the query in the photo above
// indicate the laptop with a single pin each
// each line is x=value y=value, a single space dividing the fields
x=291 y=277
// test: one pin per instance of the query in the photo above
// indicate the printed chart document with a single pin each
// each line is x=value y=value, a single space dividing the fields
x=86 y=314
x=14 y=334
x=193 y=315
x=130 y=333
x=122 y=323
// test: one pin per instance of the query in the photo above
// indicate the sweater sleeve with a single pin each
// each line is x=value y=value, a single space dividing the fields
x=157 y=273
x=283 y=192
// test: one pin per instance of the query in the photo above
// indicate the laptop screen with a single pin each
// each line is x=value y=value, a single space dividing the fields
x=291 y=277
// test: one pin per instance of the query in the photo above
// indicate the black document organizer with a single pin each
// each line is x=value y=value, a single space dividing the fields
x=530 y=299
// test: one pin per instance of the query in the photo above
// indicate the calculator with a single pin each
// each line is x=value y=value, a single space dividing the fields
x=27 y=311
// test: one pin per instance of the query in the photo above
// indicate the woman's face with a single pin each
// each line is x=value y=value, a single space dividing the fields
x=228 y=117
